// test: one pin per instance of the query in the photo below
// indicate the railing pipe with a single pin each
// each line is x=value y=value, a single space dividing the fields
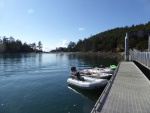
x=126 y=47
x=148 y=59
x=149 y=43
x=142 y=57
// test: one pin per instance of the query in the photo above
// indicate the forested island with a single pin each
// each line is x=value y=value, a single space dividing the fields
x=10 y=45
x=109 y=41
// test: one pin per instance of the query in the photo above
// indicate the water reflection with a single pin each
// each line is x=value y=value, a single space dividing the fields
x=90 y=94
x=29 y=72
x=82 y=61
x=16 y=62
x=40 y=58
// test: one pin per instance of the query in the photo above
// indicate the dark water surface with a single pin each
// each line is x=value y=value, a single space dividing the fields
x=36 y=83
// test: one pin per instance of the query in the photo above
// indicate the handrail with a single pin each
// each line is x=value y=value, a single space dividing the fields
x=141 y=57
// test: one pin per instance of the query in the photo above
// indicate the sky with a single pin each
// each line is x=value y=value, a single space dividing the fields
x=57 y=22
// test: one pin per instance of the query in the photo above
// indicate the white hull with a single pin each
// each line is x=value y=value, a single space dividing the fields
x=89 y=83
x=101 y=75
x=98 y=71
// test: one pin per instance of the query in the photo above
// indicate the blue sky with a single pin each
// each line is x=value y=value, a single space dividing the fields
x=57 y=22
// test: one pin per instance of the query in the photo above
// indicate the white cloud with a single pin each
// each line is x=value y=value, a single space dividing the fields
x=2 y=3
x=30 y=11
x=48 y=48
x=81 y=29
x=63 y=43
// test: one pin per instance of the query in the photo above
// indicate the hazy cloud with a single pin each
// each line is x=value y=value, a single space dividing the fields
x=63 y=43
x=48 y=48
x=81 y=29
x=30 y=11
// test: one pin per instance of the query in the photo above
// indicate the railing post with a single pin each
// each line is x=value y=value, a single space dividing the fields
x=145 y=59
x=126 y=47
x=148 y=59
x=149 y=43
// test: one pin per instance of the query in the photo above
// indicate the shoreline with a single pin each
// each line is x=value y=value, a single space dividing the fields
x=119 y=55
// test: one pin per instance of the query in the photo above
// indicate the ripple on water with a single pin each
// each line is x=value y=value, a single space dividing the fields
x=36 y=83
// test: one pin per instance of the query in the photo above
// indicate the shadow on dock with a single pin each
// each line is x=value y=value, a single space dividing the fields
x=145 y=70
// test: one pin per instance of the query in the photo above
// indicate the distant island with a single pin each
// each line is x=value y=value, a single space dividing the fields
x=10 y=45
x=109 y=41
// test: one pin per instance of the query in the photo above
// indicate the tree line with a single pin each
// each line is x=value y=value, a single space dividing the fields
x=110 y=40
x=10 y=45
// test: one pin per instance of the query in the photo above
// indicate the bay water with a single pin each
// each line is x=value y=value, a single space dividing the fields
x=37 y=83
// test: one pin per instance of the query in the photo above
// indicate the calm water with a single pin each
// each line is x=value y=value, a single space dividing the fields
x=36 y=83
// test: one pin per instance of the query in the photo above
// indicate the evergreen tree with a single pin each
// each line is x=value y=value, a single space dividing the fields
x=40 y=46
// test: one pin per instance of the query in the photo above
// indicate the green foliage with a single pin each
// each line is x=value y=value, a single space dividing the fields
x=39 y=46
x=71 y=46
x=112 y=40
x=10 y=45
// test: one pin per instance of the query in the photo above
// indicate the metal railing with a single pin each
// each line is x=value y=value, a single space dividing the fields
x=141 y=57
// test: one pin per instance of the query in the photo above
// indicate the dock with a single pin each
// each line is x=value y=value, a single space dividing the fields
x=127 y=92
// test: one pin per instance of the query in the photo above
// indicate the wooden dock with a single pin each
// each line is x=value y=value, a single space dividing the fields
x=127 y=92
